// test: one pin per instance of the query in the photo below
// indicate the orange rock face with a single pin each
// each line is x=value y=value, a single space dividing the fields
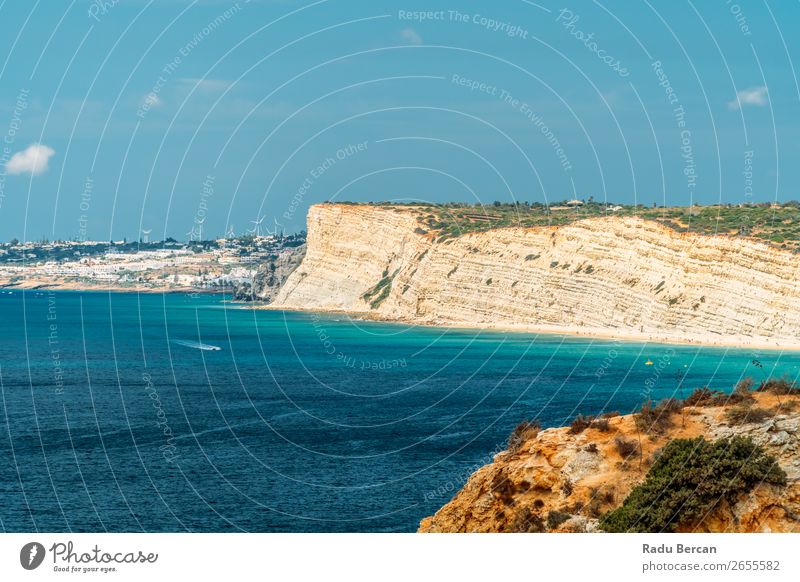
x=563 y=482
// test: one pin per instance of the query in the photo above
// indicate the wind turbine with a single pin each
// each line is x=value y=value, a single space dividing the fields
x=199 y=222
x=191 y=234
x=277 y=224
x=146 y=235
x=257 y=226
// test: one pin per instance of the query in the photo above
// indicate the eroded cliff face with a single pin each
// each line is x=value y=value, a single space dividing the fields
x=610 y=276
x=271 y=276
x=562 y=482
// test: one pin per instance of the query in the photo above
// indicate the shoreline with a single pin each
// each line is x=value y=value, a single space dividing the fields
x=734 y=342
x=741 y=343
x=42 y=286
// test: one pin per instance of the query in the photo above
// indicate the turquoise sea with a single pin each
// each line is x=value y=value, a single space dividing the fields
x=128 y=412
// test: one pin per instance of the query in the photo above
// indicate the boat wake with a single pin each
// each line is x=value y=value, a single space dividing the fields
x=197 y=345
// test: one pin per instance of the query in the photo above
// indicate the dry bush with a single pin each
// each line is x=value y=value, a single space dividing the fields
x=706 y=397
x=580 y=424
x=779 y=386
x=744 y=386
x=502 y=488
x=601 y=424
x=658 y=418
x=527 y=521
x=555 y=518
x=626 y=448
x=743 y=414
x=592 y=509
x=524 y=431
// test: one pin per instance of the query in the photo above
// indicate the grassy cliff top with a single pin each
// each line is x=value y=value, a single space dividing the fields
x=778 y=224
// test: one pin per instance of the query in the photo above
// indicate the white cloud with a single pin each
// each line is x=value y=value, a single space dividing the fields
x=752 y=96
x=33 y=160
x=151 y=100
x=411 y=36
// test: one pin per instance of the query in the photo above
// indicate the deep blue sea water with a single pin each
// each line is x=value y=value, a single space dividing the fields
x=112 y=418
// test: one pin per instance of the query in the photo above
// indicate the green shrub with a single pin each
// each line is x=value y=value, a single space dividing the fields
x=384 y=293
x=380 y=291
x=690 y=478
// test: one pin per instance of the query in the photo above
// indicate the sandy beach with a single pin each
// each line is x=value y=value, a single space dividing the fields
x=677 y=338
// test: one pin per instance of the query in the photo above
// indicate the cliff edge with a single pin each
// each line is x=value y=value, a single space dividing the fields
x=566 y=480
x=608 y=276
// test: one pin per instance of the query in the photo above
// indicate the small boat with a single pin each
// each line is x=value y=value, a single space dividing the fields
x=197 y=345
x=649 y=362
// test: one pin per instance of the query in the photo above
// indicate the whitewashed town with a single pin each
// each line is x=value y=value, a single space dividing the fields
x=215 y=265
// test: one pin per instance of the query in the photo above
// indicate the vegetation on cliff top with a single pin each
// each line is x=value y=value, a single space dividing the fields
x=778 y=224
x=689 y=479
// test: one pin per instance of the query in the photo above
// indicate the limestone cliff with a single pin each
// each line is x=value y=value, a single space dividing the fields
x=623 y=277
x=559 y=481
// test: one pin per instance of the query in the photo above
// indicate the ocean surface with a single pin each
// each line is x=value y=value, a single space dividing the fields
x=128 y=412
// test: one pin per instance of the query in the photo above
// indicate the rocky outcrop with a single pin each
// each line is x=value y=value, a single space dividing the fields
x=615 y=276
x=270 y=276
x=559 y=481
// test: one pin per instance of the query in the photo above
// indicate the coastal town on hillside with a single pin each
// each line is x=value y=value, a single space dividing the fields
x=169 y=265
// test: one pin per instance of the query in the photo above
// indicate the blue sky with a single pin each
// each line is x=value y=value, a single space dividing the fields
x=129 y=115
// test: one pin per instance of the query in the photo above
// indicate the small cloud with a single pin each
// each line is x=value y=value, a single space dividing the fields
x=411 y=36
x=33 y=160
x=151 y=100
x=752 y=96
